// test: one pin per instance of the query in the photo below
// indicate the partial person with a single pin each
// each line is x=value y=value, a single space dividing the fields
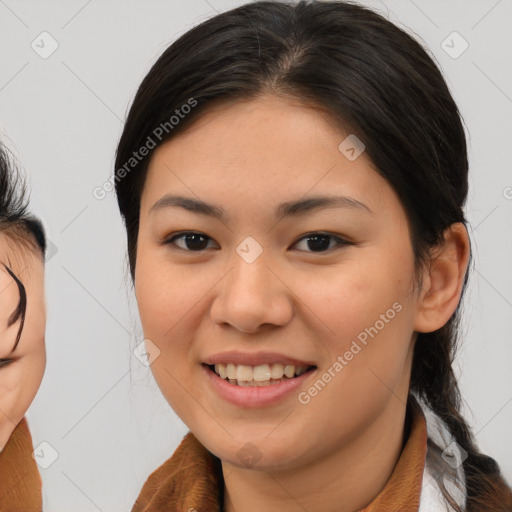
x=22 y=338
x=292 y=178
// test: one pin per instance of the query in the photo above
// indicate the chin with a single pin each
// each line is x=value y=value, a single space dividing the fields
x=254 y=452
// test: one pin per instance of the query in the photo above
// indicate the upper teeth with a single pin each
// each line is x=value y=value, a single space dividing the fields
x=260 y=373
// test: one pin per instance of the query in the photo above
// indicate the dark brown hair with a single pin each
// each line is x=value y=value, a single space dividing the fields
x=381 y=85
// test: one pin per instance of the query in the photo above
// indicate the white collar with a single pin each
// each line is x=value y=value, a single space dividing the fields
x=444 y=460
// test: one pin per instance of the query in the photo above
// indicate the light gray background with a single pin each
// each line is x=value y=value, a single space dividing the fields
x=98 y=407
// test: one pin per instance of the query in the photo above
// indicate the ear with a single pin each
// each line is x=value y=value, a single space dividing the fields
x=442 y=280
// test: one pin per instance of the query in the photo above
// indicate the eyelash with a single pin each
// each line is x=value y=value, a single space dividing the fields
x=340 y=241
x=5 y=362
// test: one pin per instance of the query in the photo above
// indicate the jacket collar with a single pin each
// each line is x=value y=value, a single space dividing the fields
x=192 y=478
x=20 y=482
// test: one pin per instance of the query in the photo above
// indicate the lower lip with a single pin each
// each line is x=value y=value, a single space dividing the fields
x=255 y=396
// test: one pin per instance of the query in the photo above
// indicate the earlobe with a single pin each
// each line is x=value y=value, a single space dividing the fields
x=444 y=280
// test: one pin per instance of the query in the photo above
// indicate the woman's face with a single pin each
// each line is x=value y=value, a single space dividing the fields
x=21 y=370
x=254 y=293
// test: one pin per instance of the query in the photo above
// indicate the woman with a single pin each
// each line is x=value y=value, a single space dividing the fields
x=22 y=350
x=292 y=179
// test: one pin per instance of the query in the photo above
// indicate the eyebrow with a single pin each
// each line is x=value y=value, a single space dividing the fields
x=286 y=209
x=20 y=310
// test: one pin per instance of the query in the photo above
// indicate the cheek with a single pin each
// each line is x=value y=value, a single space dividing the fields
x=349 y=300
x=163 y=294
x=170 y=303
x=19 y=383
x=365 y=315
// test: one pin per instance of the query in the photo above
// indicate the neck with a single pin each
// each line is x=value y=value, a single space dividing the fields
x=345 y=481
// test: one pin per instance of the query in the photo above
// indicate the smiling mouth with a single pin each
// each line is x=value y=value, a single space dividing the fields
x=258 y=376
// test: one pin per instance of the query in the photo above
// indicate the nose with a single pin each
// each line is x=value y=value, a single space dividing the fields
x=252 y=295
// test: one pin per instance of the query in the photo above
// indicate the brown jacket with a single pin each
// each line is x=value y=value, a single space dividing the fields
x=20 y=482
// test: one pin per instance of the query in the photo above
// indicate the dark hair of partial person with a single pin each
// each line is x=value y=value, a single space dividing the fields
x=20 y=230
x=377 y=82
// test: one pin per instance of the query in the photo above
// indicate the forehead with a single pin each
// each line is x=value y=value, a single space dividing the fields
x=267 y=149
x=21 y=253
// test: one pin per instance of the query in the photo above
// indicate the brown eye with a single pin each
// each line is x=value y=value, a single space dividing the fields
x=321 y=242
x=192 y=242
